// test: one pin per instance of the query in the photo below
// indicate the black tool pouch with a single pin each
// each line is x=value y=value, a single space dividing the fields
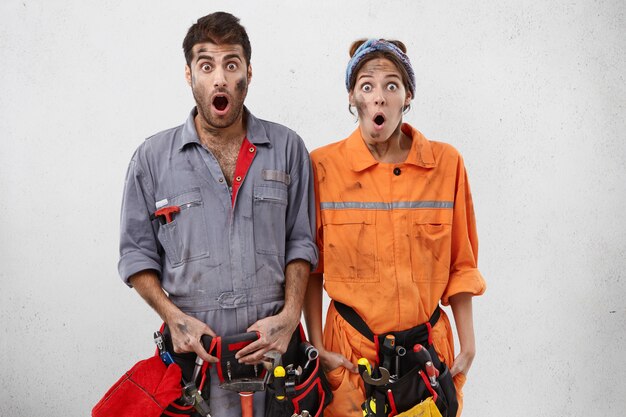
x=229 y=368
x=187 y=363
x=414 y=387
x=411 y=385
x=308 y=391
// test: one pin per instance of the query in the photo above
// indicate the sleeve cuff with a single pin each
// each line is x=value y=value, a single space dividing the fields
x=304 y=251
x=468 y=280
x=133 y=262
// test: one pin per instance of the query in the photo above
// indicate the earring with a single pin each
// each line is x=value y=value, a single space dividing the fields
x=356 y=118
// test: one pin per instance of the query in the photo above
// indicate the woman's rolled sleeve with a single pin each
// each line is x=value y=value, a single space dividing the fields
x=464 y=274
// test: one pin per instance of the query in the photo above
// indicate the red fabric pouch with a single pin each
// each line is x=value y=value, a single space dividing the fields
x=144 y=391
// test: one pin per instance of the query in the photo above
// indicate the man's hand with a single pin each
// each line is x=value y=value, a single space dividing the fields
x=186 y=332
x=333 y=360
x=276 y=331
x=275 y=334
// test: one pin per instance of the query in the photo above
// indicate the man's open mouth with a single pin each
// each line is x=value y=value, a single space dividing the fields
x=379 y=120
x=220 y=102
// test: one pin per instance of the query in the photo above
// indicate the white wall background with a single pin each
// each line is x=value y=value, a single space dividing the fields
x=531 y=92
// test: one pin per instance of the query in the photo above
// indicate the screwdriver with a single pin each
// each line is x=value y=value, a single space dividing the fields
x=365 y=367
x=431 y=371
x=421 y=354
x=197 y=368
x=389 y=348
x=279 y=382
x=163 y=353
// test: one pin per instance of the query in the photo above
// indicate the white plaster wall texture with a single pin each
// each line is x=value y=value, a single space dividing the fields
x=532 y=93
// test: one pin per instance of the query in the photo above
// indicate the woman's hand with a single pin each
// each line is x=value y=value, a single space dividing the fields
x=462 y=363
x=332 y=360
x=463 y=317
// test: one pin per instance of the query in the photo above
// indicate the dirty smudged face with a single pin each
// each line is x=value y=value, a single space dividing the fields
x=219 y=79
x=379 y=97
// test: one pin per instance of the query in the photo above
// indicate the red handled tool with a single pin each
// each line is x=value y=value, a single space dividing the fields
x=422 y=355
x=432 y=373
x=167 y=212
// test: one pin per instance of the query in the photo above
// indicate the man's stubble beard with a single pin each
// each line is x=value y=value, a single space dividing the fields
x=204 y=105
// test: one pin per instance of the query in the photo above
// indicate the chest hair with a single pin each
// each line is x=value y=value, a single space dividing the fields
x=226 y=154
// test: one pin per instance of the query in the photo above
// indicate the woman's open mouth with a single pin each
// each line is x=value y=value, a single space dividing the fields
x=379 y=121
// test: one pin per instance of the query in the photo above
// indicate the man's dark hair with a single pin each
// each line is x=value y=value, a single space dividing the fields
x=218 y=28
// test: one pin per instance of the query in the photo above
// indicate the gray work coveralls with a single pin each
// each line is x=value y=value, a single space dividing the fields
x=222 y=258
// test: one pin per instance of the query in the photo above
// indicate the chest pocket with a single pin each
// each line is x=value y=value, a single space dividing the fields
x=350 y=246
x=269 y=217
x=185 y=238
x=431 y=245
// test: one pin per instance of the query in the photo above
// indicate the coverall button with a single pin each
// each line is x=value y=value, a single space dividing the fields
x=221 y=180
x=397 y=171
x=238 y=179
x=251 y=149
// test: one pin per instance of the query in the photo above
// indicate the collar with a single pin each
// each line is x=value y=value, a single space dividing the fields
x=420 y=154
x=256 y=133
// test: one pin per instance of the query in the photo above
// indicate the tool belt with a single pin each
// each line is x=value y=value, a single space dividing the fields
x=303 y=387
x=153 y=387
x=400 y=383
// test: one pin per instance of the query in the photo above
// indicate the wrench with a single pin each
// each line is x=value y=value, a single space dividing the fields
x=383 y=380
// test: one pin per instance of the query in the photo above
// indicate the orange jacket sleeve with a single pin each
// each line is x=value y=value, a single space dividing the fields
x=464 y=274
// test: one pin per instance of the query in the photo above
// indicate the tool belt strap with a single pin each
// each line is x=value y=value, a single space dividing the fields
x=419 y=332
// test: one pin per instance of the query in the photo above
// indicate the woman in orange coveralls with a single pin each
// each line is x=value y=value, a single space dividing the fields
x=395 y=230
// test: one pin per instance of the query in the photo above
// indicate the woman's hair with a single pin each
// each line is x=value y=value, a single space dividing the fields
x=380 y=54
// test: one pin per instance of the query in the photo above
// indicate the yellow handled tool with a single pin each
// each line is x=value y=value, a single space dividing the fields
x=279 y=382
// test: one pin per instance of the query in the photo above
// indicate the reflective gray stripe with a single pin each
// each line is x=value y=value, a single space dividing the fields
x=387 y=206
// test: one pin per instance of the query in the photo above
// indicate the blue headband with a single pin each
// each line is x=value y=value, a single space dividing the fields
x=373 y=45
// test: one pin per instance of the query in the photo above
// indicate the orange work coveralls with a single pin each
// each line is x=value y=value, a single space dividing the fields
x=394 y=241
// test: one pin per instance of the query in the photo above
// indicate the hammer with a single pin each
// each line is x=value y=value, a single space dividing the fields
x=246 y=387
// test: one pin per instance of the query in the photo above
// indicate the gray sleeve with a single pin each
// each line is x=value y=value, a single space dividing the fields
x=301 y=209
x=139 y=248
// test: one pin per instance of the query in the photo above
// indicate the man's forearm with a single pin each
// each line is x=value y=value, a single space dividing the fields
x=186 y=331
x=296 y=279
x=148 y=285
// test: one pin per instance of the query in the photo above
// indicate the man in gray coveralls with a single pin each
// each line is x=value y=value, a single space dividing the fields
x=217 y=214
